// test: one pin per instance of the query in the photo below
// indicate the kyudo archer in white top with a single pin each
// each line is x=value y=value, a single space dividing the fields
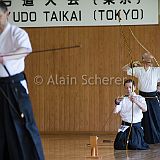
x=20 y=139
x=130 y=108
x=148 y=77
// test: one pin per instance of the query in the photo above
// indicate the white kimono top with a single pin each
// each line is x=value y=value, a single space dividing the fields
x=125 y=109
x=147 y=80
x=11 y=39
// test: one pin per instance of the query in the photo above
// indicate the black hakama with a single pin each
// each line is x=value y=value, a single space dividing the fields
x=136 y=138
x=19 y=135
x=151 y=118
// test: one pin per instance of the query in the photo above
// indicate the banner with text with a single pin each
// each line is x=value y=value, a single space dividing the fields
x=45 y=13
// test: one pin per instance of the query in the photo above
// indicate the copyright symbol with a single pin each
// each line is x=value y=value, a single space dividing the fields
x=38 y=80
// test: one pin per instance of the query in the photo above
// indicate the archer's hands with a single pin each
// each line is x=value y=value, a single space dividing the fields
x=118 y=100
x=133 y=99
x=136 y=64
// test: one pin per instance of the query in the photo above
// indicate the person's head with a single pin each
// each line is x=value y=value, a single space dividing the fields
x=128 y=84
x=3 y=15
x=147 y=59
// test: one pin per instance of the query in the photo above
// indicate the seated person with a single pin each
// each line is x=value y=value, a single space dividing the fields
x=130 y=134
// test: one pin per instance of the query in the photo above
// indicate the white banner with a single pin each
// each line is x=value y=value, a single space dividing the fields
x=44 y=13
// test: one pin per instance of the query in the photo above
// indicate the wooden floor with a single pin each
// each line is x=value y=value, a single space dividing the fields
x=76 y=147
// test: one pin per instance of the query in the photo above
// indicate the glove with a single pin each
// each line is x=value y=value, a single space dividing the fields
x=135 y=64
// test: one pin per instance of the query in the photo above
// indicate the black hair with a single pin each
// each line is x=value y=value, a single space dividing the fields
x=3 y=6
x=129 y=81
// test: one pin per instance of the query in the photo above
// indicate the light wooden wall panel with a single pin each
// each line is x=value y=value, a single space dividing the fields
x=102 y=52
